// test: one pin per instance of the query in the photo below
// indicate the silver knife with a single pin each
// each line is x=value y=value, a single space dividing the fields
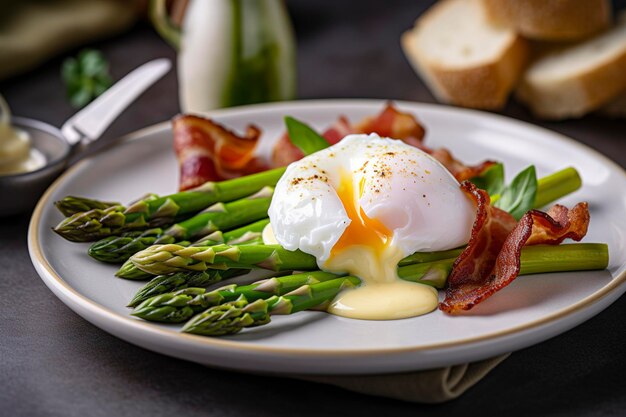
x=88 y=124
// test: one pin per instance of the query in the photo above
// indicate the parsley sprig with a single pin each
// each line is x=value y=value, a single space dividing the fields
x=86 y=77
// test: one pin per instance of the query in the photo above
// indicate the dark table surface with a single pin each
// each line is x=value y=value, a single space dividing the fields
x=54 y=363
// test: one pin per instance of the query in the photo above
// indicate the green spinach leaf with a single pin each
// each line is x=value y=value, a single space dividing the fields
x=492 y=180
x=519 y=196
x=304 y=137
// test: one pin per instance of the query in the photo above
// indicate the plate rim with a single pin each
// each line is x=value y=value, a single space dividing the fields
x=56 y=282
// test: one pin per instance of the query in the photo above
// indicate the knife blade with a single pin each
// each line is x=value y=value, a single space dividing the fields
x=89 y=123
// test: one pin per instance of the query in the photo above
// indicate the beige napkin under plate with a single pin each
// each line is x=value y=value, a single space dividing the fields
x=431 y=386
x=32 y=31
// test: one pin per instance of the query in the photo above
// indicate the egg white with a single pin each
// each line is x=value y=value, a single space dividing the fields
x=404 y=188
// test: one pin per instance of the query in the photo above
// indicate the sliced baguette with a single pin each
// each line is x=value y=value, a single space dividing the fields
x=464 y=60
x=551 y=19
x=578 y=79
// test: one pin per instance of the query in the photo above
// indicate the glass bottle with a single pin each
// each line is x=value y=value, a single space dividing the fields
x=231 y=52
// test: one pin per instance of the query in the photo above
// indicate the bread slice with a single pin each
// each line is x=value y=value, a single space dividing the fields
x=551 y=19
x=578 y=79
x=463 y=59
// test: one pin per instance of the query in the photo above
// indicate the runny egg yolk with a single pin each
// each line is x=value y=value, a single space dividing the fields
x=365 y=249
x=362 y=230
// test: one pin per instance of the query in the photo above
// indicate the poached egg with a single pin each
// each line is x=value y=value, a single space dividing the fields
x=362 y=205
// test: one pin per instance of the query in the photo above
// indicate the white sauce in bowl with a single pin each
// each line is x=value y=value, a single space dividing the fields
x=16 y=155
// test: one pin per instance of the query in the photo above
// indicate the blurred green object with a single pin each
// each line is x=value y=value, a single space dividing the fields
x=231 y=52
x=86 y=77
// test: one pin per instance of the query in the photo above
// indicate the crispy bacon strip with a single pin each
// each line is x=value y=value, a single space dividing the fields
x=459 y=170
x=338 y=131
x=207 y=151
x=389 y=123
x=491 y=260
x=392 y=123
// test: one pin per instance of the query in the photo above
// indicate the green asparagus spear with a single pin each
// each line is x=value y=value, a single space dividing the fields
x=164 y=259
x=419 y=257
x=246 y=235
x=537 y=259
x=170 y=283
x=172 y=307
x=250 y=234
x=178 y=306
x=556 y=185
x=224 y=216
x=434 y=273
x=541 y=259
x=128 y=270
x=232 y=317
x=117 y=249
x=164 y=284
x=97 y=223
x=71 y=205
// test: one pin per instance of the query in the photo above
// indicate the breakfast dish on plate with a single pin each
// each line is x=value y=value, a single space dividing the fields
x=365 y=222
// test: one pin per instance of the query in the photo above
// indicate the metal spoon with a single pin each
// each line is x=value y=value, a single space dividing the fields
x=20 y=192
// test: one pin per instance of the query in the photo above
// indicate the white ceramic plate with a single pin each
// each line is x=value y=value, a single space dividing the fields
x=529 y=311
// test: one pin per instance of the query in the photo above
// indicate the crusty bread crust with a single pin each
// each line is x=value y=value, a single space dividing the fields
x=484 y=86
x=578 y=94
x=551 y=19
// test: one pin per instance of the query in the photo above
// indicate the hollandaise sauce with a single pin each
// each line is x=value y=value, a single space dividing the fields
x=365 y=249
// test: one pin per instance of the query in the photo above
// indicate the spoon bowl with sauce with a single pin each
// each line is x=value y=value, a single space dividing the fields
x=34 y=153
x=22 y=185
